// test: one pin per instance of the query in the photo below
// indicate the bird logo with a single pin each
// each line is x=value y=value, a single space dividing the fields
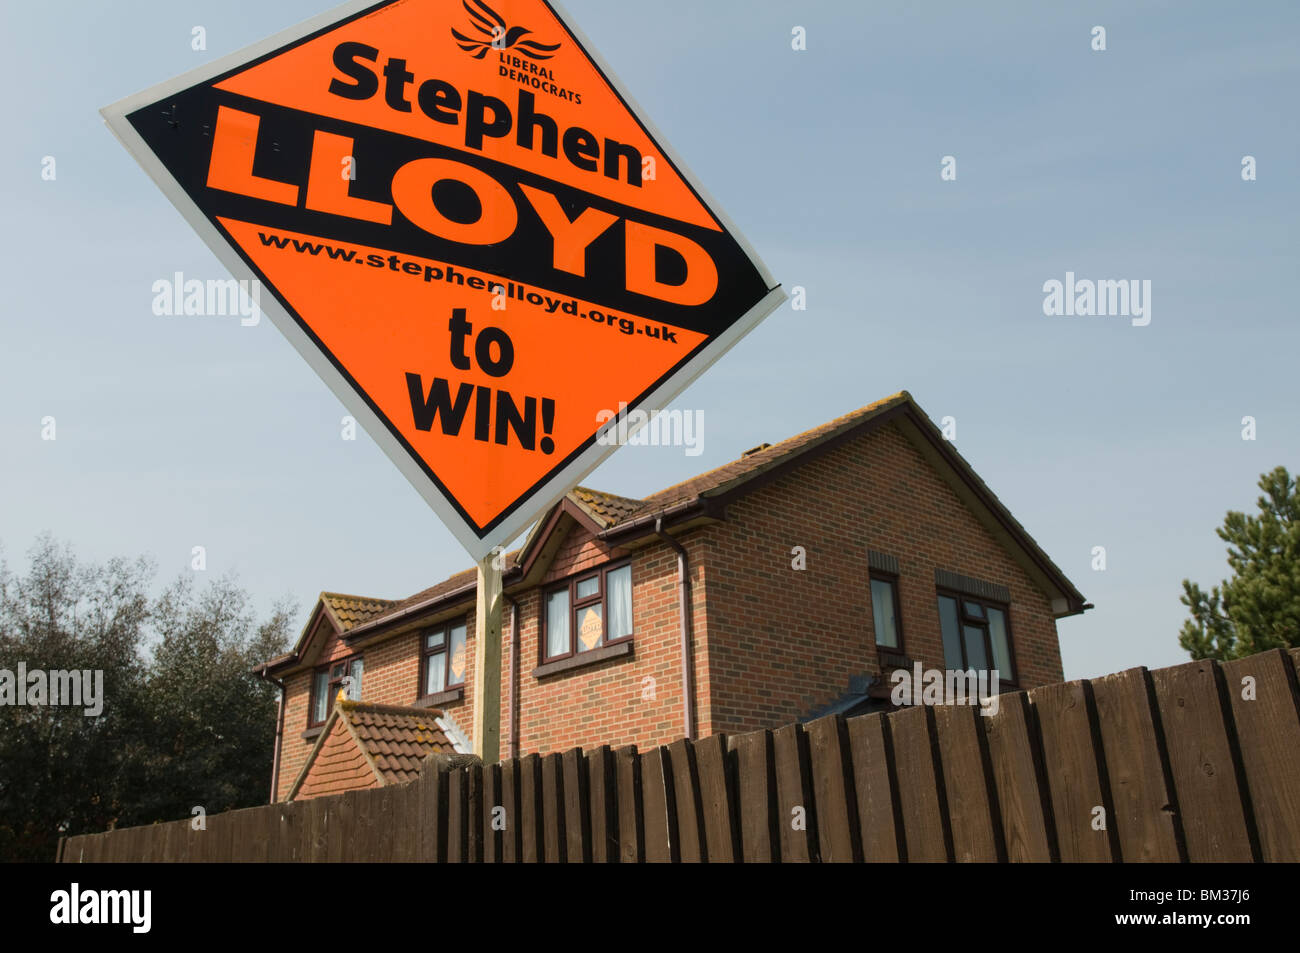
x=496 y=35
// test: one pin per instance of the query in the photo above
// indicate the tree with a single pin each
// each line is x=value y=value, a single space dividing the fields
x=61 y=768
x=1259 y=607
x=184 y=721
x=211 y=730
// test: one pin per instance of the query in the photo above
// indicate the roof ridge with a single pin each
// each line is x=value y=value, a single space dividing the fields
x=774 y=450
x=345 y=595
x=617 y=496
x=348 y=705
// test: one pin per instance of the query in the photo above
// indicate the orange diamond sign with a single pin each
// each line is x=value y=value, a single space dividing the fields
x=469 y=232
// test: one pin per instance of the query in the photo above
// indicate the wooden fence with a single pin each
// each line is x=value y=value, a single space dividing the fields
x=1199 y=762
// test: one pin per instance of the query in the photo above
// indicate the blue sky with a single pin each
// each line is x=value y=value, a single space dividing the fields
x=1123 y=164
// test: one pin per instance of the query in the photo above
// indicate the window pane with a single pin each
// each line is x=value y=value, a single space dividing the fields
x=338 y=671
x=588 y=587
x=557 y=623
x=1001 y=645
x=951 y=633
x=973 y=609
x=435 y=673
x=435 y=640
x=976 y=657
x=354 y=690
x=618 y=599
x=590 y=628
x=456 y=661
x=882 y=610
x=320 y=697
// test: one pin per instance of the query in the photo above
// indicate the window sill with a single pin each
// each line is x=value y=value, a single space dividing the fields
x=438 y=699
x=583 y=659
x=311 y=733
x=892 y=658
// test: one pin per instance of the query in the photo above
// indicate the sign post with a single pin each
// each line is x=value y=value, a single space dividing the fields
x=471 y=233
x=487 y=660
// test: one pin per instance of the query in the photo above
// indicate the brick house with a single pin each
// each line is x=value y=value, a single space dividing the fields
x=812 y=569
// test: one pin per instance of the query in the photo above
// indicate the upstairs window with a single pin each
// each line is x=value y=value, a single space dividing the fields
x=976 y=635
x=590 y=610
x=442 y=658
x=344 y=674
x=885 y=612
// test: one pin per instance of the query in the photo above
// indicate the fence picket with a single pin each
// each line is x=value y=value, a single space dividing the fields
x=631 y=805
x=692 y=845
x=880 y=818
x=833 y=791
x=660 y=811
x=493 y=844
x=511 y=842
x=1201 y=761
x=756 y=782
x=973 y=814
x=531 y=824
x=602 y=798
x=919 y=793
x=1073 y=774
x=556 y=842
x=714 y=766
x=1144 y=819
x=1267 y=718
x=577 y=807
x=1023 y=797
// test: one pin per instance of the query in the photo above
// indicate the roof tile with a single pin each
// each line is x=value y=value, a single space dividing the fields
x=610 y=508
x=351 y=611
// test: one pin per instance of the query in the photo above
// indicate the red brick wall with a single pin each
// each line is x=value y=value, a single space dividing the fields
x=294 y=748
x=783 y=642
x=636 y=700
x=609 y=702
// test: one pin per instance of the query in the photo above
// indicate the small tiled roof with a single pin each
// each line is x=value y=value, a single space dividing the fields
x=391 y=742
x=351 y=611
x=397 y=739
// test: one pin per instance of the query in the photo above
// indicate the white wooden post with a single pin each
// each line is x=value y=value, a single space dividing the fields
x=487 y=661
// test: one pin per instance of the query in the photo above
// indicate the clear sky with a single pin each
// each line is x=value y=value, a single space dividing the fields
x=174 y=432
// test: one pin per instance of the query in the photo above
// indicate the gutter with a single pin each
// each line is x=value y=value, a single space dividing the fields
x=513 y=706
x=1079 y=611
x=279 y=734
x=655 y=519
x=684 y=613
